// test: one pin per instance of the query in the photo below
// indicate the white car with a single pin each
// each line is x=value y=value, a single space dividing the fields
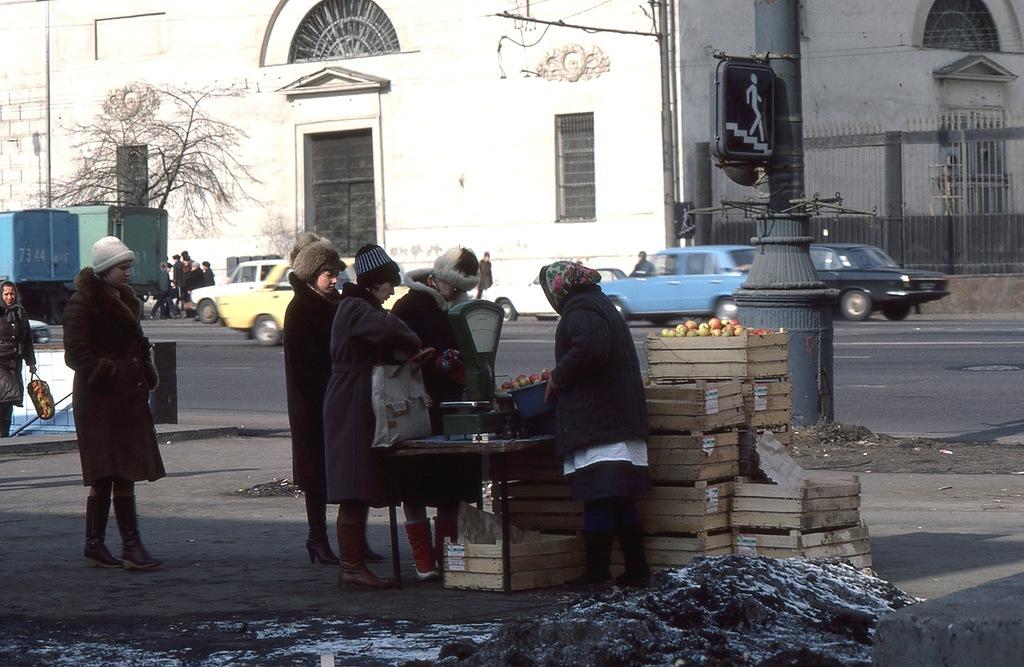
x=246 y=277
x=529 y=299
x=40 y=331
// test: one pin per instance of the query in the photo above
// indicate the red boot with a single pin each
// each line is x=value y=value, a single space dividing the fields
x=443 y=528
x=422 y=553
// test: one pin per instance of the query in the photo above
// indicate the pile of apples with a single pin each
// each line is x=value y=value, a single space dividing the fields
x=713 y=327
x=523 y=380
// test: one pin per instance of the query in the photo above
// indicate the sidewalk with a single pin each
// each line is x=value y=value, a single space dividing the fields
x=229 y=555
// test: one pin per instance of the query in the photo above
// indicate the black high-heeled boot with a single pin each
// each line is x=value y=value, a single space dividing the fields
x=317 y=544
x=97 y=511
x=133 y=555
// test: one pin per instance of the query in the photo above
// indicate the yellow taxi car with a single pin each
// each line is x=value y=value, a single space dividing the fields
x=260 y=312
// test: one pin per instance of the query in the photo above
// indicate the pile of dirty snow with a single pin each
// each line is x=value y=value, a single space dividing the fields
x=727 y=610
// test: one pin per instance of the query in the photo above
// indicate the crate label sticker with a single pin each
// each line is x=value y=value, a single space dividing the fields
x=711 y=400
x=760 y=397
x=746 y=545
x=707 y=443
x=711 y=495
x=455 y=560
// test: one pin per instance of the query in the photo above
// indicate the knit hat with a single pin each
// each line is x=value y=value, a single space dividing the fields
x=373 y=266
x=109 y=251
x=312 y=255
x=459 y=268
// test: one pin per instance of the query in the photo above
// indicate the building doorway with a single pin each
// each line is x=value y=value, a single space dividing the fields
x=340 y=198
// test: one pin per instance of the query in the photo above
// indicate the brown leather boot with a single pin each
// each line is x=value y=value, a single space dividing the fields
x=444 y=528
x=133 y=555
x=422 y=550
x=97 y=511
x=353 y=573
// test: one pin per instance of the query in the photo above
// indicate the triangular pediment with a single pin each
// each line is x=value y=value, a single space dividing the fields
x=334 y=81
x=975 y=68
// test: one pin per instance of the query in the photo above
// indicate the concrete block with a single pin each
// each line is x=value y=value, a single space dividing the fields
x=977 y=626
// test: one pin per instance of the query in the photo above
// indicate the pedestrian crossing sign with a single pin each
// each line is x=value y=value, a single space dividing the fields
x=743 y=126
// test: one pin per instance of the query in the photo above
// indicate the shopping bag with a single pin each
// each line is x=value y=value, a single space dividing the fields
x=401 y=404
x=42 y=399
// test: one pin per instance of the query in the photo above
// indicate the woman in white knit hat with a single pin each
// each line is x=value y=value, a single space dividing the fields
x=114 y=373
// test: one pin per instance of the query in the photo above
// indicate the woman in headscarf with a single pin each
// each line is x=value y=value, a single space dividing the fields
x=440 y=482
x=114 y=373
x=15 y=345
x=363 y=334
x=601 y=419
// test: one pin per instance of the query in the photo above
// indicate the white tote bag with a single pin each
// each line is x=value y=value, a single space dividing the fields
x=401 y=404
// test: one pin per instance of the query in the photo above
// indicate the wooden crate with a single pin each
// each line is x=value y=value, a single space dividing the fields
x=768 y=402
x=678 y=359
x=553 y=561
x=695 y=406
x=695 y=457
x=699 y=508
x=669 y=551
x=542 y=505
x=813 y=505
x=852 y=544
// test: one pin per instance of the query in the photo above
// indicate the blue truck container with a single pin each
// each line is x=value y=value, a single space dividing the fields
x=144 y=230
x=39 y=253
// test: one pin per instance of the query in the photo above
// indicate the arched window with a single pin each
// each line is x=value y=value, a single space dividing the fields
x=343 y=29
x=964 y=25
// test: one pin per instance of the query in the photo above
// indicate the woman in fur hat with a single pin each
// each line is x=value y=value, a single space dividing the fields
x=114 y=373
x=362 y=335
x=441 y=482
x=307 y=368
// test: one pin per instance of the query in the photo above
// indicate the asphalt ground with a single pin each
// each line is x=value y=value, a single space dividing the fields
x=233 y=561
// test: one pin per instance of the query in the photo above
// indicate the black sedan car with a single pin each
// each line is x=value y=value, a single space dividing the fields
x=869 y=280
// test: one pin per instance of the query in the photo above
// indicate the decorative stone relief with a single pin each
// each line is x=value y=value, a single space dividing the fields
x=572 y=62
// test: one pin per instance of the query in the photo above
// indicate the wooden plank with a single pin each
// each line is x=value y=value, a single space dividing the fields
x=810 y=489
x=806 y=521
x=521 y=581
x=685 y=524
x=695 y=408
x=720 y=454
x=795 y=540
x=692 y=473
x=723 y=419
x=696 y=493
x=682 y=370
x=525 y=563
x=538 y=490
x=693 y=392
x=770 y=417
x=690 y=509
x=810 y=540
x=542 y=506
x=693 y=441
x=548 y=521
x=549 y=544
x=794 y=505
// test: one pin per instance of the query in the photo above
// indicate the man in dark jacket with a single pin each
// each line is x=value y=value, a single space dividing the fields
x=601 y=418
x=15 y=345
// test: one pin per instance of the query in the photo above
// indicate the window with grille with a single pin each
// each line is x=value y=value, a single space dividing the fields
x=575 y=166
x=964 y=25
x=343 y=29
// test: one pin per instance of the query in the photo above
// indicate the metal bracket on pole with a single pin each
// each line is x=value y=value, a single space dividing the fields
x=807 y=207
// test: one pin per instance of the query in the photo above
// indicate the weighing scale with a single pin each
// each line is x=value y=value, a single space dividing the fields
x=477 y=327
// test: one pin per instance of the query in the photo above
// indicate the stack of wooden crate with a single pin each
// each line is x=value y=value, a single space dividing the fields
x=816 y=518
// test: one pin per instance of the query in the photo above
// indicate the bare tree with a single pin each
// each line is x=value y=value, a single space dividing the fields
x=191 y=165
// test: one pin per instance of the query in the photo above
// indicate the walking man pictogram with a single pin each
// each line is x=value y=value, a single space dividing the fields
x=754 y=101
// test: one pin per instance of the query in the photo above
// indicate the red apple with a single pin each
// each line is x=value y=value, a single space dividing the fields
x=545 y=374
x=507 y=385
x=534 y=378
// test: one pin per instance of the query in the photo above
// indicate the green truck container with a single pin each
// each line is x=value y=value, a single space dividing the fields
x=144 y=230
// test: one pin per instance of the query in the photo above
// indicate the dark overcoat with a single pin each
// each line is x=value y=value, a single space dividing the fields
x=600 y=389
x=363 y=334
x=15 y=345
x=440 y=480
x=307 y=368
x=114 y=373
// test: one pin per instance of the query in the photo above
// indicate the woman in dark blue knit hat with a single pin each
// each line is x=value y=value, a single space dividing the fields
x=363 y=335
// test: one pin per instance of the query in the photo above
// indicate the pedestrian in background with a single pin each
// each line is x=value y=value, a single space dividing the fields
x=208 y=277
x=601 y=418
x=114 y=373
x=15 y=346
x=486 y=277
x=439 y=482
x=307 y=369
x=178 y=280
x=643 y=267
x=165 y=295
x=363 y=334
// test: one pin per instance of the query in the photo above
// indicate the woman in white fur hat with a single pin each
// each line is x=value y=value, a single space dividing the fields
x=443 y=482
x=114 y=373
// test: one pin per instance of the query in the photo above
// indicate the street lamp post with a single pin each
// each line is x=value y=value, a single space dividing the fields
x=783 y=289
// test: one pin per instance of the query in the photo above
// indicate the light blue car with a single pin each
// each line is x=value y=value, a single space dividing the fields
x=691 y=281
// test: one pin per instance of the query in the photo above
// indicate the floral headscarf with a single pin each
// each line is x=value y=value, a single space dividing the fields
x=560 y=279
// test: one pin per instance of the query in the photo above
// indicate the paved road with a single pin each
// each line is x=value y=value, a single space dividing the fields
x=941 y=376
